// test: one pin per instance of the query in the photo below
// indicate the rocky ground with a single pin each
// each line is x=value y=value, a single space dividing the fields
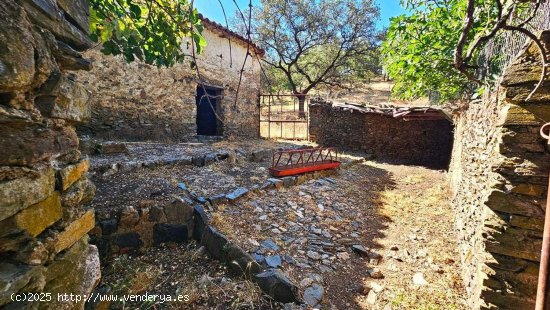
x=373 y=236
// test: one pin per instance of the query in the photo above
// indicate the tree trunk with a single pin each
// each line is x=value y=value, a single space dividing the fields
x=301 y=105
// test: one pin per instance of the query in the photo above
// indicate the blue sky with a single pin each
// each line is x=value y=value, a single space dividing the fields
x=212 y=9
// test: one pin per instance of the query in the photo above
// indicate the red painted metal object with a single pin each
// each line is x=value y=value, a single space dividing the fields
x=294 y=162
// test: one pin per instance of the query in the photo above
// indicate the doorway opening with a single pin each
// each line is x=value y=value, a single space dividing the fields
x=208 y=110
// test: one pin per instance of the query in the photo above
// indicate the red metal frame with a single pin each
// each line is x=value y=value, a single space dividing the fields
x=294 y=162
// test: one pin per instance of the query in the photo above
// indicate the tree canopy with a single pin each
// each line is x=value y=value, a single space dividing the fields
x=315 y=42
x=148 y=30
x=436 y=48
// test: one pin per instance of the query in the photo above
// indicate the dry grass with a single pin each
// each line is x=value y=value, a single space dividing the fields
x=419 y=206
x=221 y=222
x=289 y=130
x=182 y=270
x=395 y=203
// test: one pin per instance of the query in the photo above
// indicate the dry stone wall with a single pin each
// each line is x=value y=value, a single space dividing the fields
x=384 y=137
x=43 y=185
x=137 y=102
x=499 y=175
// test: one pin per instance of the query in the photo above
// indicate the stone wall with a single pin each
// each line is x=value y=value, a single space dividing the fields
x=43 y=226
x=137 y=102
x=499 y=176
x=386 y=138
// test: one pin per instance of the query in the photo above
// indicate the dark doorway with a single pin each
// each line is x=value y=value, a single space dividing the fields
x=208 y=99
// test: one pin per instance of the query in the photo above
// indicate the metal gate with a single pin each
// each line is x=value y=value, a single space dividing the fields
x=280 y=117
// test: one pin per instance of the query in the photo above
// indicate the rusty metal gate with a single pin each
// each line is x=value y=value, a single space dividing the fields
x=281 y=118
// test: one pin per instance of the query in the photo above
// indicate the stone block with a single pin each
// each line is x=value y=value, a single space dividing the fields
x=81 y=192
x=236 y=194
x=72 y=173
x=214 y=242
x=198 y=160
x=61 y=97
x=76 y=271
x=17 y=66
x=275 y=284
x=179 y=212
x=69 y=59
x=36 y=218
x=20 y=193
x=200 y=222
x=239 y=261
x=529 y=190
x=75 y=231
x=267 y=185
x=47 y=15
x=108 y=226
x=260 y=155
x=156 y=214
x=210 y=159
x=527 y=222
x=515 y=115
x=129 y=218
x=15 y=277
x=170 y=233
x=35 y=142
x=127 y=240
x=515 y=243
x=509 y=203
x=79 y=12
x=32 y=253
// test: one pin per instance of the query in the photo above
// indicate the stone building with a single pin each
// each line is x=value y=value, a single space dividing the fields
x=136 y=101
x=417 y=136
x=499 y=176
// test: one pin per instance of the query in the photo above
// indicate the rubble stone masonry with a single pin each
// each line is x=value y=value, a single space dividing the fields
x=499 y=175
x=140 y=102
x=43 y=184
x=417 y=142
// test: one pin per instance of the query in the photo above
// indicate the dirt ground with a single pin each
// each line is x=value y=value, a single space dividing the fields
x=398 y=215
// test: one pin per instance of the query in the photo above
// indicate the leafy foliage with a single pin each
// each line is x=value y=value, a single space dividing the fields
x=148 y=30
x=419 y=50
x=316 y=42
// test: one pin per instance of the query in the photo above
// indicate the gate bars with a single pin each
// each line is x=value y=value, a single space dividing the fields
x=283 y=110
